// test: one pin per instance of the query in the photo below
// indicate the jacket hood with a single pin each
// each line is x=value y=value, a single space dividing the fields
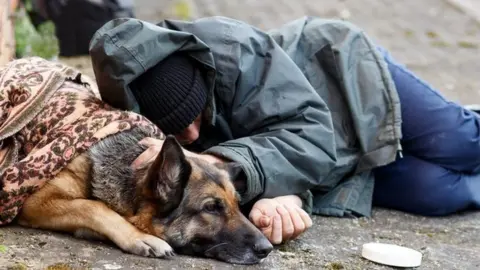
x=125 y=48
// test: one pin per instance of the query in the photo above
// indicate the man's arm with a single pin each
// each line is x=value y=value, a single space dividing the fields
x=285 y=138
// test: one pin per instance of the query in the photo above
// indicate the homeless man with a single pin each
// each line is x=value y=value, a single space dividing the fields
x=319 y=118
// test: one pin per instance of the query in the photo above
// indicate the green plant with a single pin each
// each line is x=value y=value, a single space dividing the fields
x=46 y=43
x=32 y=42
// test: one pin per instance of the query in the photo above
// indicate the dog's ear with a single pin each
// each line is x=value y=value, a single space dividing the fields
x=234 y=169
x=236 y=173
x=168 y=175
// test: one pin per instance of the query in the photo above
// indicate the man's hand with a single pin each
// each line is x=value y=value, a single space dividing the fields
x=154 y=147
x=280 y=219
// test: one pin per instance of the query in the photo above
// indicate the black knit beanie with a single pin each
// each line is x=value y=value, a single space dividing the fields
x=171 y=94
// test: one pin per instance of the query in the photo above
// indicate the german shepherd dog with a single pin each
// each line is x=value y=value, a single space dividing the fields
x=174 y=203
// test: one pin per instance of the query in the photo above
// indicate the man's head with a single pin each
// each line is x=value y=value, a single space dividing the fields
x=173 y=95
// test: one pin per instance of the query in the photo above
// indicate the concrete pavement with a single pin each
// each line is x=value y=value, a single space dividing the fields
x=332 y=243
x=435 y=38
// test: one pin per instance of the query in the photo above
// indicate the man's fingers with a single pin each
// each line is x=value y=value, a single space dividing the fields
x=146 y=141
x=305 y=217
x=149 y=141
x=287 y=225
x=191 y=154
x=276 y=236
x=146 y=157
x=259 y=219
x=298 y=223
x=255 y=216
x=265 y=221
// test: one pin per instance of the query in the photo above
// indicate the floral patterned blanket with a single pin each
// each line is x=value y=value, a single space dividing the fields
x=49 y=114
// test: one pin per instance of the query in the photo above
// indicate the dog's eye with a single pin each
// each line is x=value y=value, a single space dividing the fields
x=213 y=207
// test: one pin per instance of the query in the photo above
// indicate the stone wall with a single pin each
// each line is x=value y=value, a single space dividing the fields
x=7 y=38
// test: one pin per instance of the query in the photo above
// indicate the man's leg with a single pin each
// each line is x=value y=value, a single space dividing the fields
x=434 y=129
x=440 y=171
x=420 y=187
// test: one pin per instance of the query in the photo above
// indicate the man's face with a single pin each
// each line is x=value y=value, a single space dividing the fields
x=190 y=133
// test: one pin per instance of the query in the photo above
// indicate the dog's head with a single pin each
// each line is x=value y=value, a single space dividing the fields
x=197 y=208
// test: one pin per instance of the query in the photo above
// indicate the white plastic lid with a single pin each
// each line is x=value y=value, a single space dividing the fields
x=391 y=255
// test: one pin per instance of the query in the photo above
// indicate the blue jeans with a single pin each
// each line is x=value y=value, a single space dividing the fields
x=439 y=173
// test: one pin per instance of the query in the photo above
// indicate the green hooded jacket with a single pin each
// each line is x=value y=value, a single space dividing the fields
x=307 y=109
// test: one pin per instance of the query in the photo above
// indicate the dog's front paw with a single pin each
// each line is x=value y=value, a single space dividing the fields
x=151 y=246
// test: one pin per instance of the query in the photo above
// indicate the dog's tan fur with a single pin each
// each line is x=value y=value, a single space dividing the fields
x=62 y=205
x=204 y=219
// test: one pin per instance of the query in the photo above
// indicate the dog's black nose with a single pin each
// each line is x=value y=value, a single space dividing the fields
x=262 y=248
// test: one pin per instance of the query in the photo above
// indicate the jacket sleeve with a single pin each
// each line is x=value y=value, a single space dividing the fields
x=283 y=130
